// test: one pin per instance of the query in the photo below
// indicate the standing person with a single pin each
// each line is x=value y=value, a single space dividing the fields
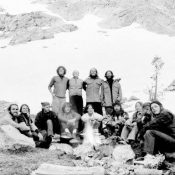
x=47 y=123
x=92 y=86
x=75 y=93
x=60 y=84
x=111 y=91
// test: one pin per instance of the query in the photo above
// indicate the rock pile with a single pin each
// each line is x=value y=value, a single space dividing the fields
x=32 y=26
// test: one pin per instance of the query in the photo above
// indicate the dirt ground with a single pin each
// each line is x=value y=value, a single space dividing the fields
x=23 y=163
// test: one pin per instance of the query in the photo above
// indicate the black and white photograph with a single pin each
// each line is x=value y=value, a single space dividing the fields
x=87 y=87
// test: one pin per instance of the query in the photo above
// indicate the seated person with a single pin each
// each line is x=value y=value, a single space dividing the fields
x=69 y=121
x=11 y=118
x=130 y=129
x=160 y=132
x=24 y=117
x=91 y=118
x=48 y=124
x=113 y=124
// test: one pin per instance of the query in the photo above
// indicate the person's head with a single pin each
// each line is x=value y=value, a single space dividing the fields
x=109 y=110
x=118 y=108
x=139 y=106
x=93 y=73
x=45 y=106
x=66 y=107
x=61 y=71
x=75 y=73
x=90 y=109
x=109 y=74
x=156 y=107
x=13 y=109
x=146 y=108
x=24 y=109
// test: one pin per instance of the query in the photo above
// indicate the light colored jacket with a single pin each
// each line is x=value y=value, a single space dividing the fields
x=75 y=87
x=60 y=86
x=107 y=99
x=93 y=90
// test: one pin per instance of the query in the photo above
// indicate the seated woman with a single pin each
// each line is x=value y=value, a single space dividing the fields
x=92 y=122
x=130 y=128
x=160 y=133
x=24 y=118
x=69 y=121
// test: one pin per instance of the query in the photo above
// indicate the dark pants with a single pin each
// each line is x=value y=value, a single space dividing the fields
x=77 y=103
x=97 y=107
x=158 y=141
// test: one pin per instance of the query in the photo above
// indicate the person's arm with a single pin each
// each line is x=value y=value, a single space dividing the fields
x=67 y=85
x=102 y=95
x=84 y=85
x=62 y=118
x=119 y=92
x=50 y=86
x=38 y=121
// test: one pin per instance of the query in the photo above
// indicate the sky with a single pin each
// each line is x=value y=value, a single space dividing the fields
x=26 y=69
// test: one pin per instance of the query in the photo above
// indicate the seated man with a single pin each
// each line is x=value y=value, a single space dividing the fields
x=69 y=121
x=47 y=124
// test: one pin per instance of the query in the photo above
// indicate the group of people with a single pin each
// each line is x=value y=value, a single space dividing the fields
x=150 y=125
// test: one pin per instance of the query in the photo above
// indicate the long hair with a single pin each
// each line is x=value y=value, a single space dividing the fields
x=62 y=68
x=111 y=73
x=22 y=107
x=64 y=106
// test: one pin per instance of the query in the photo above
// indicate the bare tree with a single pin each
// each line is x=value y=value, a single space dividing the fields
x=158 y=64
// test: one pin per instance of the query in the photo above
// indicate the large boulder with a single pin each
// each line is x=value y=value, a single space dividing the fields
x=12 y=139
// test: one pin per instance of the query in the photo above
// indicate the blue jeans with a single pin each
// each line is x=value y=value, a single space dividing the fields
x=155 y=141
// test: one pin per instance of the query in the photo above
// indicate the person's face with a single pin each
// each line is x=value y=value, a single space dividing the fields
x=93 y=72
x=146 y=110
x=75 y=74
x=117 y=108
x=138 y=107
x=25 y=109
x=61 y=71
x=108 y=74
x=155 y=108
x=46 y=108
x=14 y=110
x=90 y=110
x=67 y=109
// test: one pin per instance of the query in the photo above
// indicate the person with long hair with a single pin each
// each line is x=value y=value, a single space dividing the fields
x=160 y=133
x=60 y=84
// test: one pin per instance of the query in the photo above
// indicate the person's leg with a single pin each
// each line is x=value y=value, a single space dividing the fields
x=49 y=127
x=133 y=133
x=73 y=102
x=125 y=132
x=55 y=104
x=98 y=107
x=151 y=138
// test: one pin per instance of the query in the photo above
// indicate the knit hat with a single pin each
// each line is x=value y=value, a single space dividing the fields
x=45 y=104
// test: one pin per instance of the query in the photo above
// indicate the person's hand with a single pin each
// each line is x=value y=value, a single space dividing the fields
x=40 y=137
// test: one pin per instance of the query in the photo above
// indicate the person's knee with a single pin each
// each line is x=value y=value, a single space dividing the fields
x=149 y=133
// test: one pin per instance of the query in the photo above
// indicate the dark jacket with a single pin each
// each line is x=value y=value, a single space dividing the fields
x=41 y=121
x=164 y=122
